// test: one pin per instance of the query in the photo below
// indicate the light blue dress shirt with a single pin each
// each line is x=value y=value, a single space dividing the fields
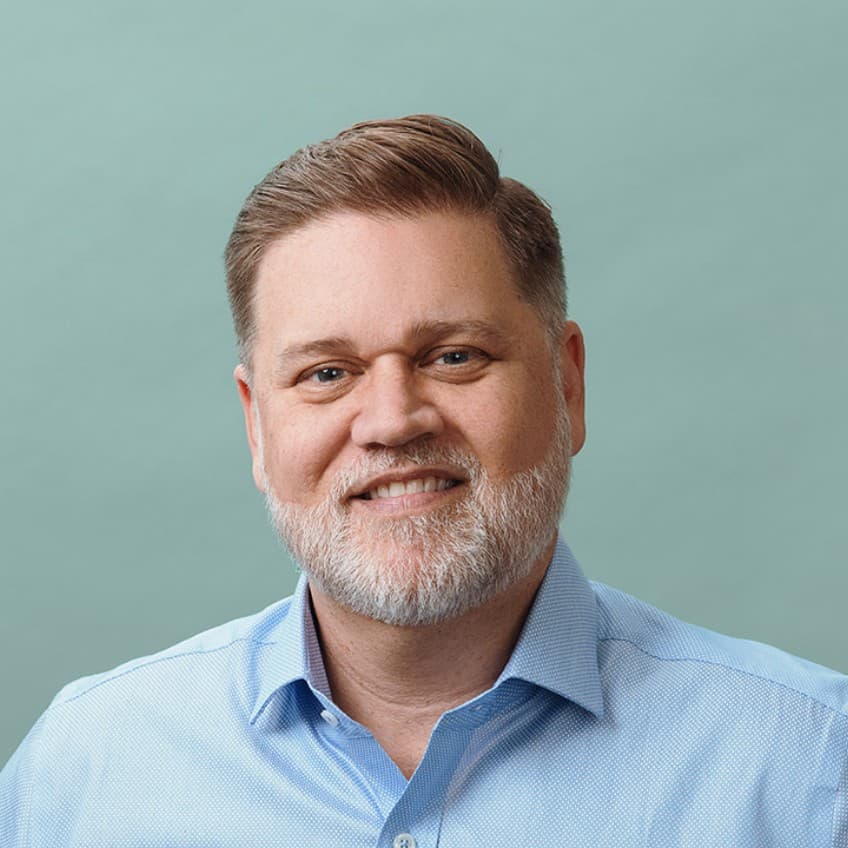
x=613 y=724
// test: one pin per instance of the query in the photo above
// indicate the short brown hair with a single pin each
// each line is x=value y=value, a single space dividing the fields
x=401 y=166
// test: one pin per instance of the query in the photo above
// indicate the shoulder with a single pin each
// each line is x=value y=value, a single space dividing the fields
x=142 y=718
x=750 y=730
x=210 y=677
x=628 y=625
x=205 y=654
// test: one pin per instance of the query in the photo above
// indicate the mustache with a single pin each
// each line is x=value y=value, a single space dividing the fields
x=354 y=478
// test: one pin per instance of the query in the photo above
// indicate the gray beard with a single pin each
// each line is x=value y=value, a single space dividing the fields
x=427 y=568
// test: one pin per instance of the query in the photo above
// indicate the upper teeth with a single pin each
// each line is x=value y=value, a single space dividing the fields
x=410 y=487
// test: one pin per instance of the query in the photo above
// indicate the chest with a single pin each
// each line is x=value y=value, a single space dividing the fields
x=528 y=776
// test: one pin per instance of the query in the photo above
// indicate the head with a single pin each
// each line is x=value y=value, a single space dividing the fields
x=398 y=167
x=411 y=389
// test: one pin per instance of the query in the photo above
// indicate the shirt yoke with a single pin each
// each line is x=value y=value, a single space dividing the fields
x=256 y=629
x=661 y=636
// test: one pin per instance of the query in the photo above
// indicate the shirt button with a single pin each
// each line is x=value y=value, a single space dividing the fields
x=404 y=840
x=332 y=720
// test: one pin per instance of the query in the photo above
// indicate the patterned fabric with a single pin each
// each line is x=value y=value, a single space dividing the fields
x=613 y=724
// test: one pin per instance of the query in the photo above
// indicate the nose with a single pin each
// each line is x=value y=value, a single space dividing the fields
x=393 y=410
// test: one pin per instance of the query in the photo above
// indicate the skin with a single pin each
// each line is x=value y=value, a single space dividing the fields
x=428 y=340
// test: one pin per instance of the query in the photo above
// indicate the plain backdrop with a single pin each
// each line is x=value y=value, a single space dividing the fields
x=694 y=156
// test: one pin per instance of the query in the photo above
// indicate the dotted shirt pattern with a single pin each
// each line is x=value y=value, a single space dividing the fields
x=613 y=724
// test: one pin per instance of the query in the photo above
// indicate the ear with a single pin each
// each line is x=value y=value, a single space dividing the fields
x=572 y=355
x=251 y=423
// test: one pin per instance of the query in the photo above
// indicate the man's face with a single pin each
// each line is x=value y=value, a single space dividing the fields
x=408 y=419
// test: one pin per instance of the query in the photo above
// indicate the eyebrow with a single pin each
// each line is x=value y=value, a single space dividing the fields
x=430 y=330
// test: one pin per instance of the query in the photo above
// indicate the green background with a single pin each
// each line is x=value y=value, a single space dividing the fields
x=694 y=156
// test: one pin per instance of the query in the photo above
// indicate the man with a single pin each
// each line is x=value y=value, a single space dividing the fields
x=444 y=675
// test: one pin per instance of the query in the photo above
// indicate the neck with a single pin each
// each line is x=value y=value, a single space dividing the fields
x=397 y=681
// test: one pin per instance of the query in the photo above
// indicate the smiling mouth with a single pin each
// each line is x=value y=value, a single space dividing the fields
x=409 y=487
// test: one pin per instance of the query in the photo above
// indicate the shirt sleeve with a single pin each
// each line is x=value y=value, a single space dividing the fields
x=42 y=785
x=840 y=812
x=16 y=790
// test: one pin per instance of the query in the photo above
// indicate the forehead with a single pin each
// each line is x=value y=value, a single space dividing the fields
x=374 y=278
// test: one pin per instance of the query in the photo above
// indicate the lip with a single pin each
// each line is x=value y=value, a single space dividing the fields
x=400 y=475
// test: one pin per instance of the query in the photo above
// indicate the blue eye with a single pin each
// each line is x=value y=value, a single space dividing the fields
x=327 y=375
x=455 y=357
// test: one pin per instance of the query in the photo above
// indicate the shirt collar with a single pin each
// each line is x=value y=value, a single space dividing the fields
x=557 y=648
x=294 y=653
x=558 y=645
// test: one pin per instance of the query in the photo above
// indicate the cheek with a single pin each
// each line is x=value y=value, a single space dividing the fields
x=298 y=452
x=511 y=431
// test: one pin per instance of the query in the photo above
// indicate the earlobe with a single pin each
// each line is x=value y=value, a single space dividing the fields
x=251 y=424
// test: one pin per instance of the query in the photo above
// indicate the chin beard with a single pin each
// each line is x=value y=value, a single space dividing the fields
x=426 y=568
